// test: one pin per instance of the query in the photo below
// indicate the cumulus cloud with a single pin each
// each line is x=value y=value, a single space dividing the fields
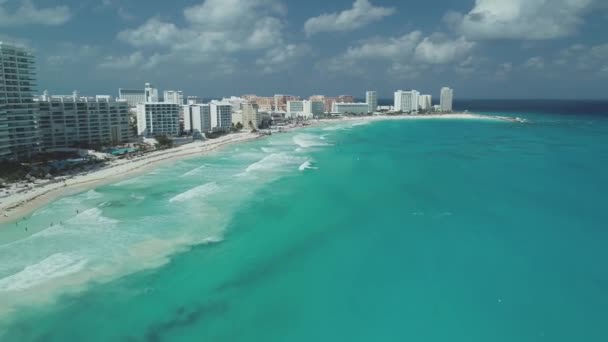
x=26 y=13
x=361 y=14
x=535 y=63
x=408 y=54
x=213 y=29
x=520 y=19
x=136 y=59
x=277 y=59
x=438 y=49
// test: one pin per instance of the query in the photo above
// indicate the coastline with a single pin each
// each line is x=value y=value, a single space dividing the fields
x=19 y=205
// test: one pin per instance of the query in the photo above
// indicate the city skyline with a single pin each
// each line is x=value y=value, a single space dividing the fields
x=212 y=48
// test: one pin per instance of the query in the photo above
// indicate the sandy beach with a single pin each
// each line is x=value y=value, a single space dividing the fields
x=23 y=203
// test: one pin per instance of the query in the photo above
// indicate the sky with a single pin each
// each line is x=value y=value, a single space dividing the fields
x=212 y=48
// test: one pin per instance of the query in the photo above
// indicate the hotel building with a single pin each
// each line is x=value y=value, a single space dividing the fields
x=447 y=96
x=406 y=101
x=77 y=121
x=251 y=115
x=350 y=108
x=19 y=136
x=221 y=116
x=371 y=98
x=173 y=96
x=426 y=103
x=156 y=118
x=132 y=96
x=197 y=118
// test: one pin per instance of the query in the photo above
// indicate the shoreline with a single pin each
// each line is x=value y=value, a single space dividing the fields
x=19 y=205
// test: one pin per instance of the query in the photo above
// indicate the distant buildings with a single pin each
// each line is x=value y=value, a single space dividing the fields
x=19 y=134
x=350 y=108
x=151 y=93
x=132 y=96
x=280 y=101
x=425 y=103
x=78 y=121
x=221 y=116
x=447 y=96
x=194 y=100
x=406 y=101
x=251 y=115
x=197 y=118
x=173 y=96
x=155 y=118
x=371 y=98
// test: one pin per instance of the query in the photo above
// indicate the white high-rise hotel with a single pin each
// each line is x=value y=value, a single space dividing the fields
x=371 y=98
x=77 y=121
x=19 y=136
x=447 y=96
x=407 y=101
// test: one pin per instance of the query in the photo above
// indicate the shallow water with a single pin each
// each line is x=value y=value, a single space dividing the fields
x=460 y=230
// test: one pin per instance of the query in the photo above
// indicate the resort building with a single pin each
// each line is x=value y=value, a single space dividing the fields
x=350 y=108
x=447 y=96
x=151 y=93
x=371 y=98
x=314 y=108
x=197 y=118
x=194 y=100
x=251 y=116
x=77 y=121
x=425 y=103
x=221 y=116
x=295 y=108
x=280 y=101
x=19 y=136
x=156 y=118
x=132 y=96
x=406 y=101
x=173 y=96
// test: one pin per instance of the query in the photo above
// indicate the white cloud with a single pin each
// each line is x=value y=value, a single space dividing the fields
x=153 y=32
x=583 y=58
x=408 y=55
x=382 y=48
x=438 y=49
x=134 y=60
x=277 y=59
x=72 y=53
x=535 y=63
x=361 y=14
x=520 y=19
x=28 y=14
x=503 y=71
x=214 y=29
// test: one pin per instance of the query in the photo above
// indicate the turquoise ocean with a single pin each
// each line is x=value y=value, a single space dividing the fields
x=412 y=230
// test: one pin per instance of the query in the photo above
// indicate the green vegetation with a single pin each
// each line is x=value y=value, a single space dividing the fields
x=11 y=171
x=163 y=141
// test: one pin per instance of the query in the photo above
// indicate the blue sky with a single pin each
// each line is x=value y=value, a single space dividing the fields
x=212 y=48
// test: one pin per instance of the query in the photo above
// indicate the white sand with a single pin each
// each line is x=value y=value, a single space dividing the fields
x=21 y=204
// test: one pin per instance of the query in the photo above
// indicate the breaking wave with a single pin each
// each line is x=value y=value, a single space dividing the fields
x=199 y=191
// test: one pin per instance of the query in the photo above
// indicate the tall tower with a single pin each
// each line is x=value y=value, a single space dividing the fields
x=151 y=93
x=19 y=135
x=447 y=96
x=371 y=98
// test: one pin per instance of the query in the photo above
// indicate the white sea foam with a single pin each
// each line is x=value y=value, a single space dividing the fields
x=274 y=162
x=194 y=172
x=308 y=140
x=92 y=194
x=54 y=266
x=93 y=216
x=361 y=123
x=199 y=191
x=307 y=165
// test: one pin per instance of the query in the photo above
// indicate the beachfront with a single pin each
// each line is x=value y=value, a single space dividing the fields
x=20 y=201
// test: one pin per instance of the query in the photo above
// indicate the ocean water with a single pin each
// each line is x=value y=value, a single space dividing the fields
x=420 y=230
